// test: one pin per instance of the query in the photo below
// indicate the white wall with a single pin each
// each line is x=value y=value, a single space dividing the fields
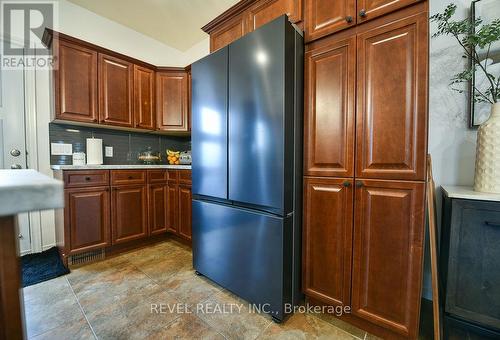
x=86 y=25
x=451 y=143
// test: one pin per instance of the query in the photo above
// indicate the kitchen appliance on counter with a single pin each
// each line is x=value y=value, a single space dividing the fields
x=149 y=157
x=247 y=169
x=185 y=158
x=94 y=151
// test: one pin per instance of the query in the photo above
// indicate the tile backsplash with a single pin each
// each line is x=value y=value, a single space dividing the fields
x=126 y=145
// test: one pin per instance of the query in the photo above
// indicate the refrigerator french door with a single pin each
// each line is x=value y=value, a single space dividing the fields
x=246 y=148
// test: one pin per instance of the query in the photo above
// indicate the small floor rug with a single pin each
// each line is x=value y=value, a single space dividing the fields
x=41 y=267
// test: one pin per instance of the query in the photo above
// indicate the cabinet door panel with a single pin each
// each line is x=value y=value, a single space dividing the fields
x=88 y=218
x=172 y=101
x=144 y=114
x=115 y=91
x=376 y=8
x=129 y=217
x=158 y=208
x=185 y=211
x=227 y=33
x=329 y=119
x=327 y=240
x=387 y=254
x=268 y=10
x=392 y=100
x=323 y=17
x=75 y=82
x=172 y=208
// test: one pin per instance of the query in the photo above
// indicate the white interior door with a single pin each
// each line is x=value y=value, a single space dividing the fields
x=13 y=137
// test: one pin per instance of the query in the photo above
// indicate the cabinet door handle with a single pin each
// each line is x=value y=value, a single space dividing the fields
x=359 y=184
x=87 y=178
x=492 y=224
x=362 y=13
x=348 y=19
x=347 y=184
x=130 y=177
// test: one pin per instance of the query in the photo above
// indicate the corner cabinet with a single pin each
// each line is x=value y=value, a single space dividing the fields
x=144 y=98
x=172 y=101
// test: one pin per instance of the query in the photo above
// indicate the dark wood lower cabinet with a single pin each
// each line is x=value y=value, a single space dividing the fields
x=328 y=239
x=363 y=248
x=158 y=207
x=388 y=254
x=185 y=211
x=88 y=218
x=129 y=213
x=172 y=207
x=120 y=209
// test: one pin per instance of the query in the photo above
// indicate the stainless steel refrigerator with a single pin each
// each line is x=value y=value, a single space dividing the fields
x=247 y=102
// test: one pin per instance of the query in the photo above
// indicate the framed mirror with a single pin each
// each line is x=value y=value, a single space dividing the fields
x=487 y=10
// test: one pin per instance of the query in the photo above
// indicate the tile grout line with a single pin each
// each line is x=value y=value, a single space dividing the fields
x=81 y=308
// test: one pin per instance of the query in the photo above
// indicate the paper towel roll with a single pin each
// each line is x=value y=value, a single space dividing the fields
x=94 y=151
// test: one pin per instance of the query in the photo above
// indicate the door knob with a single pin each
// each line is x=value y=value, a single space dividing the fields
x=347 y=184
x=359 y=184
x=15 y=152
x=16 y=166
x=362 y=13
x=348 y=19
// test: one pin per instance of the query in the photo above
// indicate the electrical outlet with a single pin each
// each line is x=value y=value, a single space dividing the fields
x=61 y=149
x=108 y=151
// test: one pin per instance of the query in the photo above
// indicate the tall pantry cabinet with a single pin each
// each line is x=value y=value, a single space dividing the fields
x=365 y=150
x=365 y=145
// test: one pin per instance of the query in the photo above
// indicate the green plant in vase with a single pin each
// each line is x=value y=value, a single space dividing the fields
x=474 y=35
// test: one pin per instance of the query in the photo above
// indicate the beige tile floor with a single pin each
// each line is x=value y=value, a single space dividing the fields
x=112 y=299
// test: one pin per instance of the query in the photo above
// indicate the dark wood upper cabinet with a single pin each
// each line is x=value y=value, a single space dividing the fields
x=228 y=32
x=327 y=239
x=387 y=254
x=391 y=115
x=185 y=211
x=265 y=11
x=129 y=213
x=329 y=108
x=88 y=219
x=370 y=9
x=172 y=101
x=116 y=89
x=323 y=17
x=75 y=81
x=158 y=208
x=144 y=98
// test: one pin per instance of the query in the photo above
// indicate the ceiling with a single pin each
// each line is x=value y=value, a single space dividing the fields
x=176 y=23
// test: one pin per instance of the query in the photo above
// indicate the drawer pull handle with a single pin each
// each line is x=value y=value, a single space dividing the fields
x=347 y=184
x=492 y=224
x=87 y=178
x=130 y=177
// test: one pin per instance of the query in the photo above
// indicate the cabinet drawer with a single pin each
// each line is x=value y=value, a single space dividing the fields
x=157 y=176
x=185 y=176
x=173 y=175
x=119 y=177
x=78 y=178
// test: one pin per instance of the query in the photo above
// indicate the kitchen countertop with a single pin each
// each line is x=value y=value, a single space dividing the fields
x=28 y=190
x=468 y=193
x=117 y=167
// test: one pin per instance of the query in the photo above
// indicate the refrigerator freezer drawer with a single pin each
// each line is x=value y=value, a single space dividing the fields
x=243 y=251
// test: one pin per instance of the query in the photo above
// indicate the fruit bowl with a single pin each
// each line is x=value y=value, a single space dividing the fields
x=173 y=157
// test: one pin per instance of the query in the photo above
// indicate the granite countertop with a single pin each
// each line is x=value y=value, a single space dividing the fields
x=467 y=192
x=28 y=190
x=116 y=167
